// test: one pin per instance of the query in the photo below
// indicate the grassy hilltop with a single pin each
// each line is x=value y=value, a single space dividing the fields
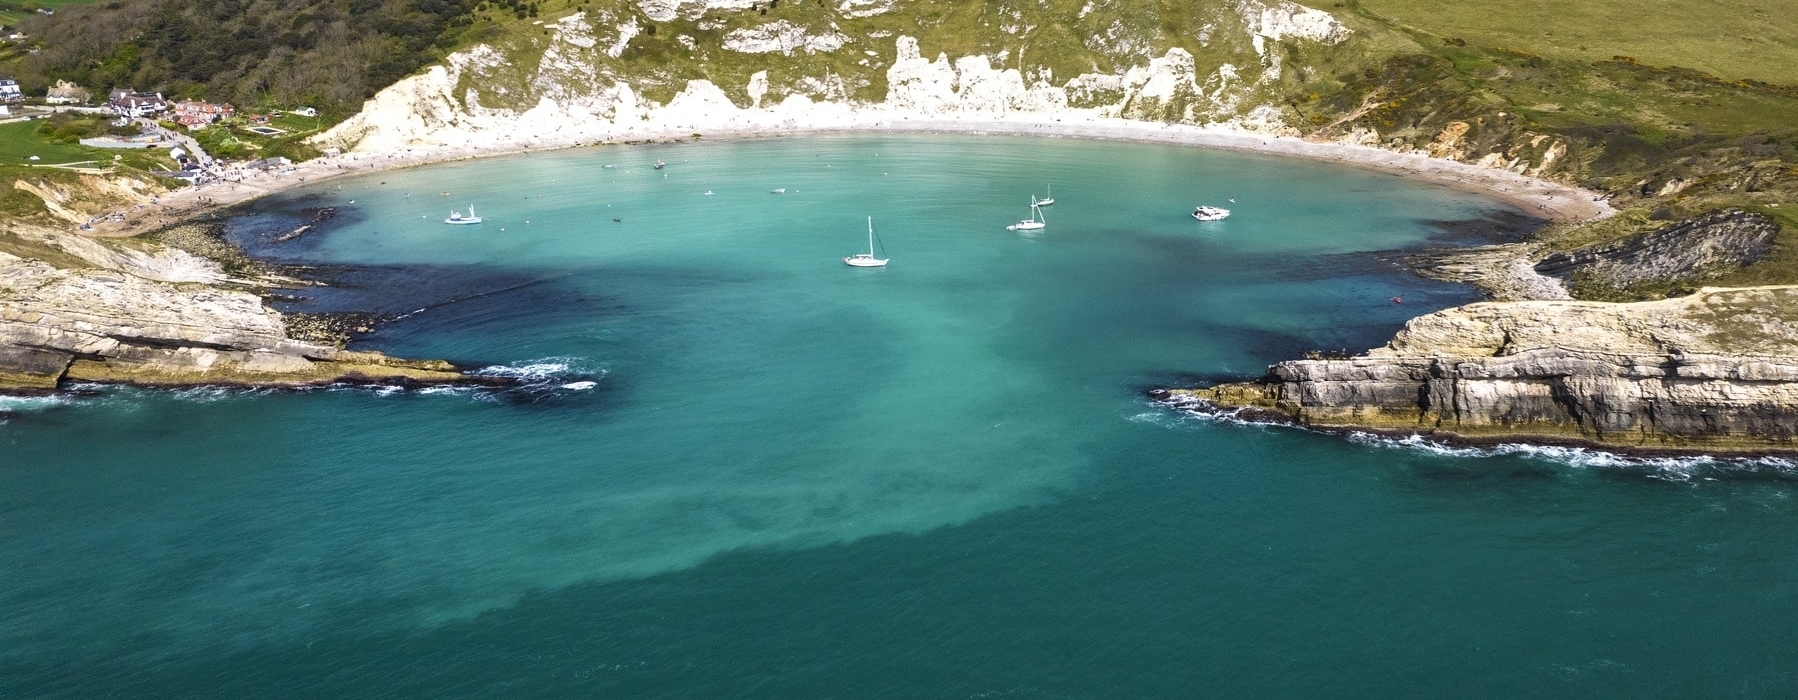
x=1735 y=39
x=1672 y=108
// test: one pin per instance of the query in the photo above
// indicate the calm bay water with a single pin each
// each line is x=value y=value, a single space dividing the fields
x=793 y=479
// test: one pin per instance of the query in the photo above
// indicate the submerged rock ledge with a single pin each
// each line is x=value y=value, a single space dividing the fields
x=162 y=318
x=1716 y=371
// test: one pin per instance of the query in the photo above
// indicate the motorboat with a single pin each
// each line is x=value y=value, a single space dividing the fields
x=1206 y=212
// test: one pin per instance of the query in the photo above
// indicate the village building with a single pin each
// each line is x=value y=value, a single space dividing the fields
x=9 y=91
x=66 y=93
x=194 y=114
x=131 y=103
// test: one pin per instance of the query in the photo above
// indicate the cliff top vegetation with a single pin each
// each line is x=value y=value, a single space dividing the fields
x=1673 y=110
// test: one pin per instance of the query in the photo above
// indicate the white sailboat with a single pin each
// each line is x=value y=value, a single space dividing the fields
x=456 y=217
x=1034 y=222
x=866 y=259
x=1046 y=201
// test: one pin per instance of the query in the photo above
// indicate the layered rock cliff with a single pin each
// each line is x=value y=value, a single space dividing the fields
x=1714 y=242
x=154 y=316
x=1715 y=371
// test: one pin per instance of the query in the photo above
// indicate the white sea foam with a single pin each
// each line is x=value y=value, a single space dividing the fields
x=548 y=373
x=32 y=403
x=1677 y=468
x=542 y=370
x=1195 y=409
x=209 y=394
x=1683 y=468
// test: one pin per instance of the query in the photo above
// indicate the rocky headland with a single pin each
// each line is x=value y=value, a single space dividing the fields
x=1716 y=371
x=108 y=303
x=74 y=309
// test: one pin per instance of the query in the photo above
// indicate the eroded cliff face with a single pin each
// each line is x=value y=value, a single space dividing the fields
x=626 y=71
x=582 y=103
x=1714 y=242
x=1715 y=371
x=155 y=317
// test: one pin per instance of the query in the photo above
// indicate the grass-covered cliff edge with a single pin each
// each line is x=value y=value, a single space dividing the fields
x=1669 y=125
x=1671 y=110
x=1714 y=371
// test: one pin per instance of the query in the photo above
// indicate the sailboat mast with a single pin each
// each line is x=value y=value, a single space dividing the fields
x=870 y=236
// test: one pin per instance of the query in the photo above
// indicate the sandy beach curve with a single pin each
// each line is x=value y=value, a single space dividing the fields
x=1552 y=201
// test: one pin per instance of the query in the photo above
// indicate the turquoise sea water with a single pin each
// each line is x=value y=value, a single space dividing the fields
x=793 y=479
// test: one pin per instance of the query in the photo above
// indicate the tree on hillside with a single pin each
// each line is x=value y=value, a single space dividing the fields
x=327 y=53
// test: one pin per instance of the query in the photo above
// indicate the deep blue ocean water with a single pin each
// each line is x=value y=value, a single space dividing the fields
x=741 y=469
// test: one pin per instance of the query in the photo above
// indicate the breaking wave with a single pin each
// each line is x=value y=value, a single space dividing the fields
x=539 y=371
x=1680 y=468
x=529 y=381
x=542 y=378
x=21 y=404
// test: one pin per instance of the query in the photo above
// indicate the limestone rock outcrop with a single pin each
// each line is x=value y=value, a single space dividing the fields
x=121 y=320
x=1715 y=241
x=1715 y=371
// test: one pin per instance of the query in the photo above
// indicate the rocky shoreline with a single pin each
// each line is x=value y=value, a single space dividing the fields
x=1714 y=372
x=161 y=316
x=188 y=311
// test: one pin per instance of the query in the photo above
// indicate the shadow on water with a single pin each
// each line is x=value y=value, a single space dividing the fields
x=1496 y=226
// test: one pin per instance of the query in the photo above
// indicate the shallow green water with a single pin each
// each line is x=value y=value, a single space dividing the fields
x=793 y=479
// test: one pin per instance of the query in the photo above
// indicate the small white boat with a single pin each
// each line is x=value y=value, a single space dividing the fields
x=1207 y=212
x=1034 y=222
x=660 y=165
x=778 y=190
x=1046 y=201
x=456 y=217
x=866 y=259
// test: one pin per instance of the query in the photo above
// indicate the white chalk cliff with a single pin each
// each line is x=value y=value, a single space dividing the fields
x=584 y=88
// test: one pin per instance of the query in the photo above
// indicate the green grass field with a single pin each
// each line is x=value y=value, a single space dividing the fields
x=1736 y=39
x=19 y=141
